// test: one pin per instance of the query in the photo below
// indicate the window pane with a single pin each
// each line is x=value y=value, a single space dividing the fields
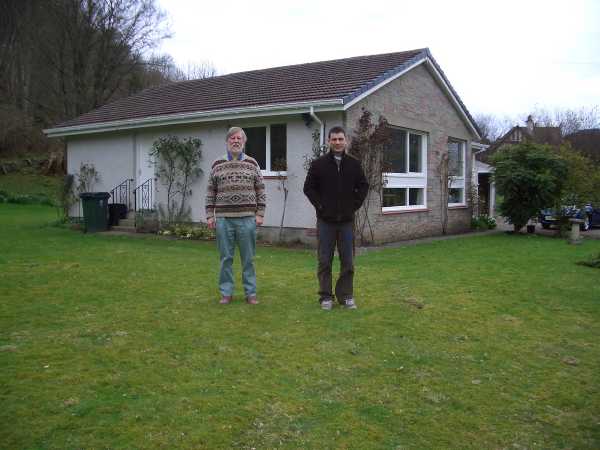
x=256 y=144
x=278 y=147
x=415 y=164
x=396 y=152
x=455 y=159
x=394 y=197
x=415 y=196
x=455 y=195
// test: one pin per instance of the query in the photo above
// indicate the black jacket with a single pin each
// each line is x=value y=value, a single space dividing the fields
x=336 y=194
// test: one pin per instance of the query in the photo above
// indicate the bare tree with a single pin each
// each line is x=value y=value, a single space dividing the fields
x=162 y=68
x=197 y=70
x=445 y=182
x=61 y=58
x=96 y=46
x=492 y=127
x=568 y=120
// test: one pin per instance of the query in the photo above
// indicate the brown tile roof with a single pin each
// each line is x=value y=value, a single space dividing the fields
x=326 y=80
x=587 y=142
x=547 y=135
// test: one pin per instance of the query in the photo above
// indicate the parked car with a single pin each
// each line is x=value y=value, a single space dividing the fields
x=589 y=214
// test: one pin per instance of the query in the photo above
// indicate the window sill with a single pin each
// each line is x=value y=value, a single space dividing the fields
x=404 y=211
x=457 y=206
x=273 y=174
x=404 y=175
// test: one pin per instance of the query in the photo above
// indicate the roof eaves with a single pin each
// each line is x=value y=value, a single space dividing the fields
x=201 y=116
x=384 y=78
x=454 y=94
x=423 y=56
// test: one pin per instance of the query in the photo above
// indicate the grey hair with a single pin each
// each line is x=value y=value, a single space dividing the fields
x=234 y=130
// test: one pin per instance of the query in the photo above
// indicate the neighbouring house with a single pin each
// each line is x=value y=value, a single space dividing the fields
x=531 y=132
x=482 y=176
x=280 y=109
x=587 y=142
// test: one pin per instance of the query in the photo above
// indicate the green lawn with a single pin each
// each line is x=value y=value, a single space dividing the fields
x=489 y=342
x=31 y=184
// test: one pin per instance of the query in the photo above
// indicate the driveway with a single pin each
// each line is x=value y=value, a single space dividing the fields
x=594 y=233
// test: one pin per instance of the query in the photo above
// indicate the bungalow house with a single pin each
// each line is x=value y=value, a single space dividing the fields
x=280 y=109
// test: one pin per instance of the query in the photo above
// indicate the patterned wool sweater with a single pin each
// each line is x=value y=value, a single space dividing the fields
x=235 y=188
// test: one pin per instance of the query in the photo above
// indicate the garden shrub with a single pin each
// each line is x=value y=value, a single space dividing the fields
x=530 y=177
x=483 y=222
x=197 y=232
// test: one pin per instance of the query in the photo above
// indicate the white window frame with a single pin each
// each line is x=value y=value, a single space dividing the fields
x=266 y=171
x=393 y=180
x=459 y=182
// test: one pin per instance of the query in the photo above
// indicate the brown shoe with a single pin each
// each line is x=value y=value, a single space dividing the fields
x=225 y=300
x=252 y=300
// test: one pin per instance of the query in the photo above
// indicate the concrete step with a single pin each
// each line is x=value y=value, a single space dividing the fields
x=123 y=229
x=131 y=214
x=127 y=223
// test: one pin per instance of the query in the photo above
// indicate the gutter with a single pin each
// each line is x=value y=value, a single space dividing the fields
x=322 y=126
x=482 y=148
x=195 y=117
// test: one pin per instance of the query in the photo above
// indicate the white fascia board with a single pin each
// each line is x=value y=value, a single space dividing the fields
x=380 y=85
x=438 y=77
x=196 y=117
x=479 y=147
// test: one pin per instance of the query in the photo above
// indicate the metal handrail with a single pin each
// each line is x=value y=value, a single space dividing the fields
x=143 y=196
x=122 y=193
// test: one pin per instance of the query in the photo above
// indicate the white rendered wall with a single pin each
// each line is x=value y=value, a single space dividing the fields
x=111 y=155
x=121 y=156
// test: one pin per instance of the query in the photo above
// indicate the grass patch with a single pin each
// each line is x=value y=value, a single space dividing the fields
x=593 y=261
x=485 y=342
x=29 y=188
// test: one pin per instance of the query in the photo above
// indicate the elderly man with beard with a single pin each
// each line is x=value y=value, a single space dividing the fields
x=235 y=206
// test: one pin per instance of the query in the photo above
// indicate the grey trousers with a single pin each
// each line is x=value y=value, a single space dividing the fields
x=330 y=236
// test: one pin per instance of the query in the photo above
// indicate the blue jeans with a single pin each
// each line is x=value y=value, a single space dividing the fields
x=240 y=230
x=330 y=236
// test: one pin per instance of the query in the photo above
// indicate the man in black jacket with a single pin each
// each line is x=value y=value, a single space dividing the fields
x=336 y=186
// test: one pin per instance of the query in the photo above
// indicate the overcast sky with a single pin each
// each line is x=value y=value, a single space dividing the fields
x=502 y=57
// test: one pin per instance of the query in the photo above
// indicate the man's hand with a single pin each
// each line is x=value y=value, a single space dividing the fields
x=259 y=220
x=211 y=223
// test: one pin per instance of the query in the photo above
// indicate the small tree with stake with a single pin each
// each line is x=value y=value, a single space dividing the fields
x=529 y=177
x=280 y=166
x=177 y=167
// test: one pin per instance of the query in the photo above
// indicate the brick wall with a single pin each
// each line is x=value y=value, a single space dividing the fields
x=416 y=101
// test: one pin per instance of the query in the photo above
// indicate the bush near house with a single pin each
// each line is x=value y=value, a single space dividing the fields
x=483 y=223
x=199 y=232
x=484 y=342
x=529 y=177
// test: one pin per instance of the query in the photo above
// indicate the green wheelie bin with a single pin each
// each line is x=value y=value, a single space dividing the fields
x=95 y=211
